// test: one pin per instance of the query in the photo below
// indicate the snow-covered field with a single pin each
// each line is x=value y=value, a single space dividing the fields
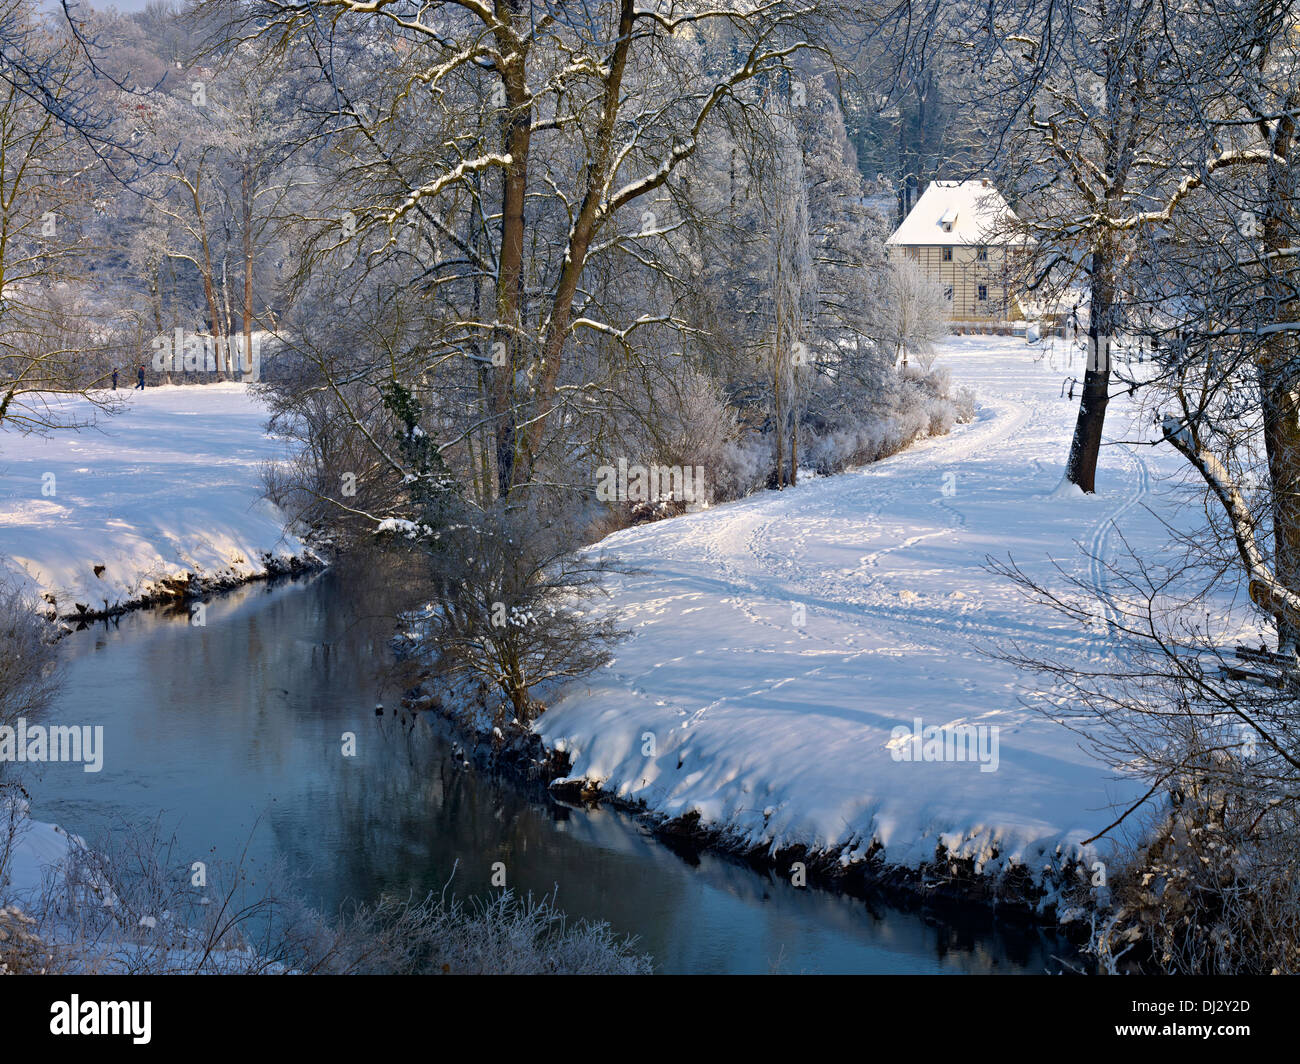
x=778 y=643
x=168 y=488
x=782 y=732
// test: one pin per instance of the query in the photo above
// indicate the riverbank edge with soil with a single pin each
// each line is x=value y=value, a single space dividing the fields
x=190 y=587
x=945 y=885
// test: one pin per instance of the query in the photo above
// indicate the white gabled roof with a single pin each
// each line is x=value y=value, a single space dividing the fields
x=957 y=212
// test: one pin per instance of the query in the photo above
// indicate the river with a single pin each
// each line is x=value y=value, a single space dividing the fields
x=233 y=734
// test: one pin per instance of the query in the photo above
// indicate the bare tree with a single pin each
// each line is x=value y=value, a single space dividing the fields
x=915 y=313
x=595 y=111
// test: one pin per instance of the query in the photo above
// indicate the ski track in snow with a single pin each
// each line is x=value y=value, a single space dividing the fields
x=1099 y=547
x=780 y=730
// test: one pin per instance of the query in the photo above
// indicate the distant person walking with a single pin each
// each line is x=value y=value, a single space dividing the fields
x=139 y=376
x=114 y=380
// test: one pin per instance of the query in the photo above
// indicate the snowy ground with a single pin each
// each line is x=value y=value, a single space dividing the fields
x=33 y=849
x=724 y=700
x=720 y=702
x=172 y=486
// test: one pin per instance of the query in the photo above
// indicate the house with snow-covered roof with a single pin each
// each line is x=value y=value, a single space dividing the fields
x=963 y=234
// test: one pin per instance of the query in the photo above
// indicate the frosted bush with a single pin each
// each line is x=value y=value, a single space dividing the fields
x=742 y=467
x=697 y=423
x=22 y=950
x=857 y=422
x=943 y=415
x=508 y=935
x=680 y=421
x=964 y=403
x=128 y=907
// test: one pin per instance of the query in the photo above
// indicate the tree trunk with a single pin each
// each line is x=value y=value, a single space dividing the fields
x=209 y=279
x=246 y=204
x=583 y=230
x=1081 y=468
x=155 y=296
x=516 y=135
x=1278 y=381
x=794 y=452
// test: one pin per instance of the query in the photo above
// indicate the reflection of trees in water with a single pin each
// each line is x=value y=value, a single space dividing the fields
x=406 y=827
x=297 y=665
x=415 y=813
x=377 y=590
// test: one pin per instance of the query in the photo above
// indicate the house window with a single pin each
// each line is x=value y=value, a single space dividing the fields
x=914 y=254
x=947 y=254
x=947 y=293
x=982 y=255
x=984 y=292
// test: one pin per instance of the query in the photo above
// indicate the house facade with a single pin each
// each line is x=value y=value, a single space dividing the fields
x=962 y=233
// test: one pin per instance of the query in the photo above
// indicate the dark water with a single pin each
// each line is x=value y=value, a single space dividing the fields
x=233 y=732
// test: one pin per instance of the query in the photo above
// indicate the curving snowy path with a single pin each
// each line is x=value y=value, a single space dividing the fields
x=720 y=702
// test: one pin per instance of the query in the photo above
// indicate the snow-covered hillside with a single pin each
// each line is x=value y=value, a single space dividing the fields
x=168 y=488
x=722 y=702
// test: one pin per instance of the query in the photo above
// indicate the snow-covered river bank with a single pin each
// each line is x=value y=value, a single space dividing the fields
x=164 y=495
x=236 y=729
x=790 y=656
x=790 y=651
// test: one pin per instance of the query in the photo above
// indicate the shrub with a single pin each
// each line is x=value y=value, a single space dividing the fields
x=510 y=596
x=129 y=907
x=22 y=950
x=28 y=673
x=1215 y=892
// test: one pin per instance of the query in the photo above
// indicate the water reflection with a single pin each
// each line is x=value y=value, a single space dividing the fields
x=242 y=721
